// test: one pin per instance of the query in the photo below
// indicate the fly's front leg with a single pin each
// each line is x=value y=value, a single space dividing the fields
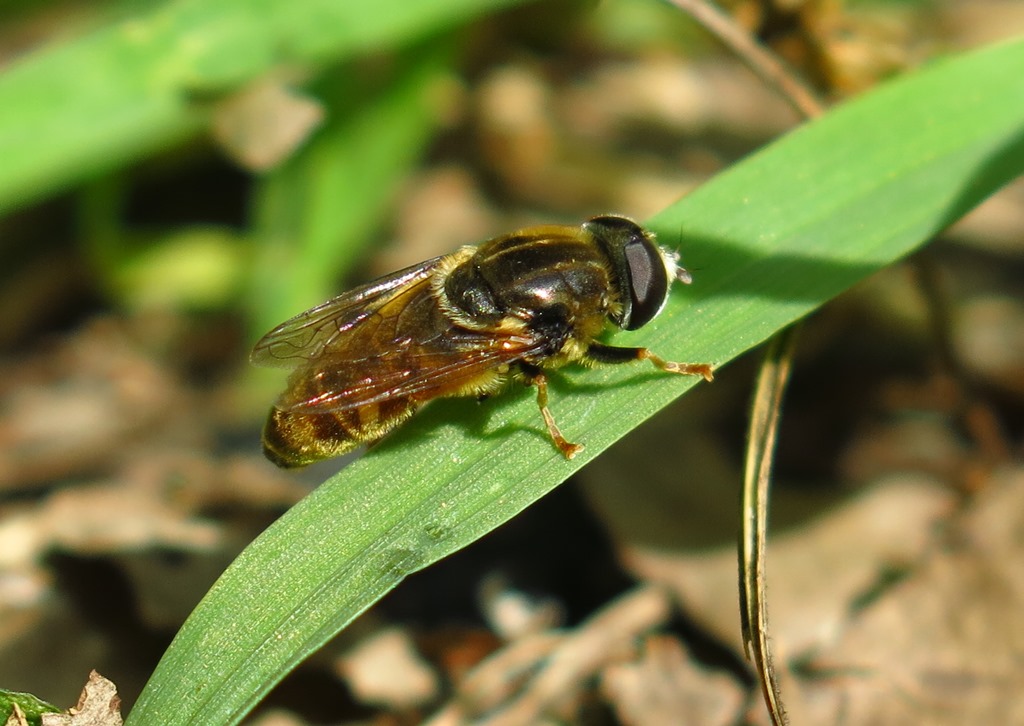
x=535 y=377
x=612 y=354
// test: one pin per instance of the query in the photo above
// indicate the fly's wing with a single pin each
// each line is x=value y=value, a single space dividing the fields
x=308 y=335
x=385 y=341
x=418 y=372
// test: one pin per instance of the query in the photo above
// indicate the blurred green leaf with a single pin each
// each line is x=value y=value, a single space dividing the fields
x=197 y=268
x=143 y=84
x=314 y=215
x=770 y=240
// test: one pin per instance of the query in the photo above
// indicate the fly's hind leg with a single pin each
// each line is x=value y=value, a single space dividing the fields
x=535 y=377
x=612 y=354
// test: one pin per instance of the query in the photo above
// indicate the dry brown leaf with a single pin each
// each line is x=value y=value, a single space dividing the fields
x=115 y=517
x=944 y=646
x=17 y=717
x=77 y=407
x=814 y=573
x=99 y=705
x=277 y=717
x=263 y=125
x=513 y=614
x=441 y=208
x=989 y=338
x=604 y=638
x=563 y=663
x=385 y=669
x=497 y=678
x=665 y=686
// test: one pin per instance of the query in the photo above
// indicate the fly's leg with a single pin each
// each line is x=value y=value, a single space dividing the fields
x=567 y=448
x=535 y=377
x=612 y=354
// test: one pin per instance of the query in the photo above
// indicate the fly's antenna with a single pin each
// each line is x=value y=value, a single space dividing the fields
x=681 y=273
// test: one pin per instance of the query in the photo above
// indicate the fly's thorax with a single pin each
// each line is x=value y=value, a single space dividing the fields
x=460 y=294
x=528 y=277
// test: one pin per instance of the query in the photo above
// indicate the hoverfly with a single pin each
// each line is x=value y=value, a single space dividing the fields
x=463 y=324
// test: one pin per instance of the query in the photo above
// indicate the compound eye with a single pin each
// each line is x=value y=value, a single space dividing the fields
x=648 y=281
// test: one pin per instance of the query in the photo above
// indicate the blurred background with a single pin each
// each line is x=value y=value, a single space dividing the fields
x=173 y=184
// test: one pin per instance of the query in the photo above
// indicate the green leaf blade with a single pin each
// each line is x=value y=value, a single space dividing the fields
x=769 y=241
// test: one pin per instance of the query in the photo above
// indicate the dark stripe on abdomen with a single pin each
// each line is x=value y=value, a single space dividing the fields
x=297 y=439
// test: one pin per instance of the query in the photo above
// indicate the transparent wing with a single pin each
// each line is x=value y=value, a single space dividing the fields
x=309 y=335
x=463 y=364
x=388 y=339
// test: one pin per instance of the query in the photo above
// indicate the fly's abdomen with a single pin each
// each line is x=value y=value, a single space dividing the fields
x=292 y=439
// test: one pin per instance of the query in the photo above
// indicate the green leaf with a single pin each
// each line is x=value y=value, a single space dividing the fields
x=316 y=212
x=30 y=706
x=143 y=84
x=769 y=241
